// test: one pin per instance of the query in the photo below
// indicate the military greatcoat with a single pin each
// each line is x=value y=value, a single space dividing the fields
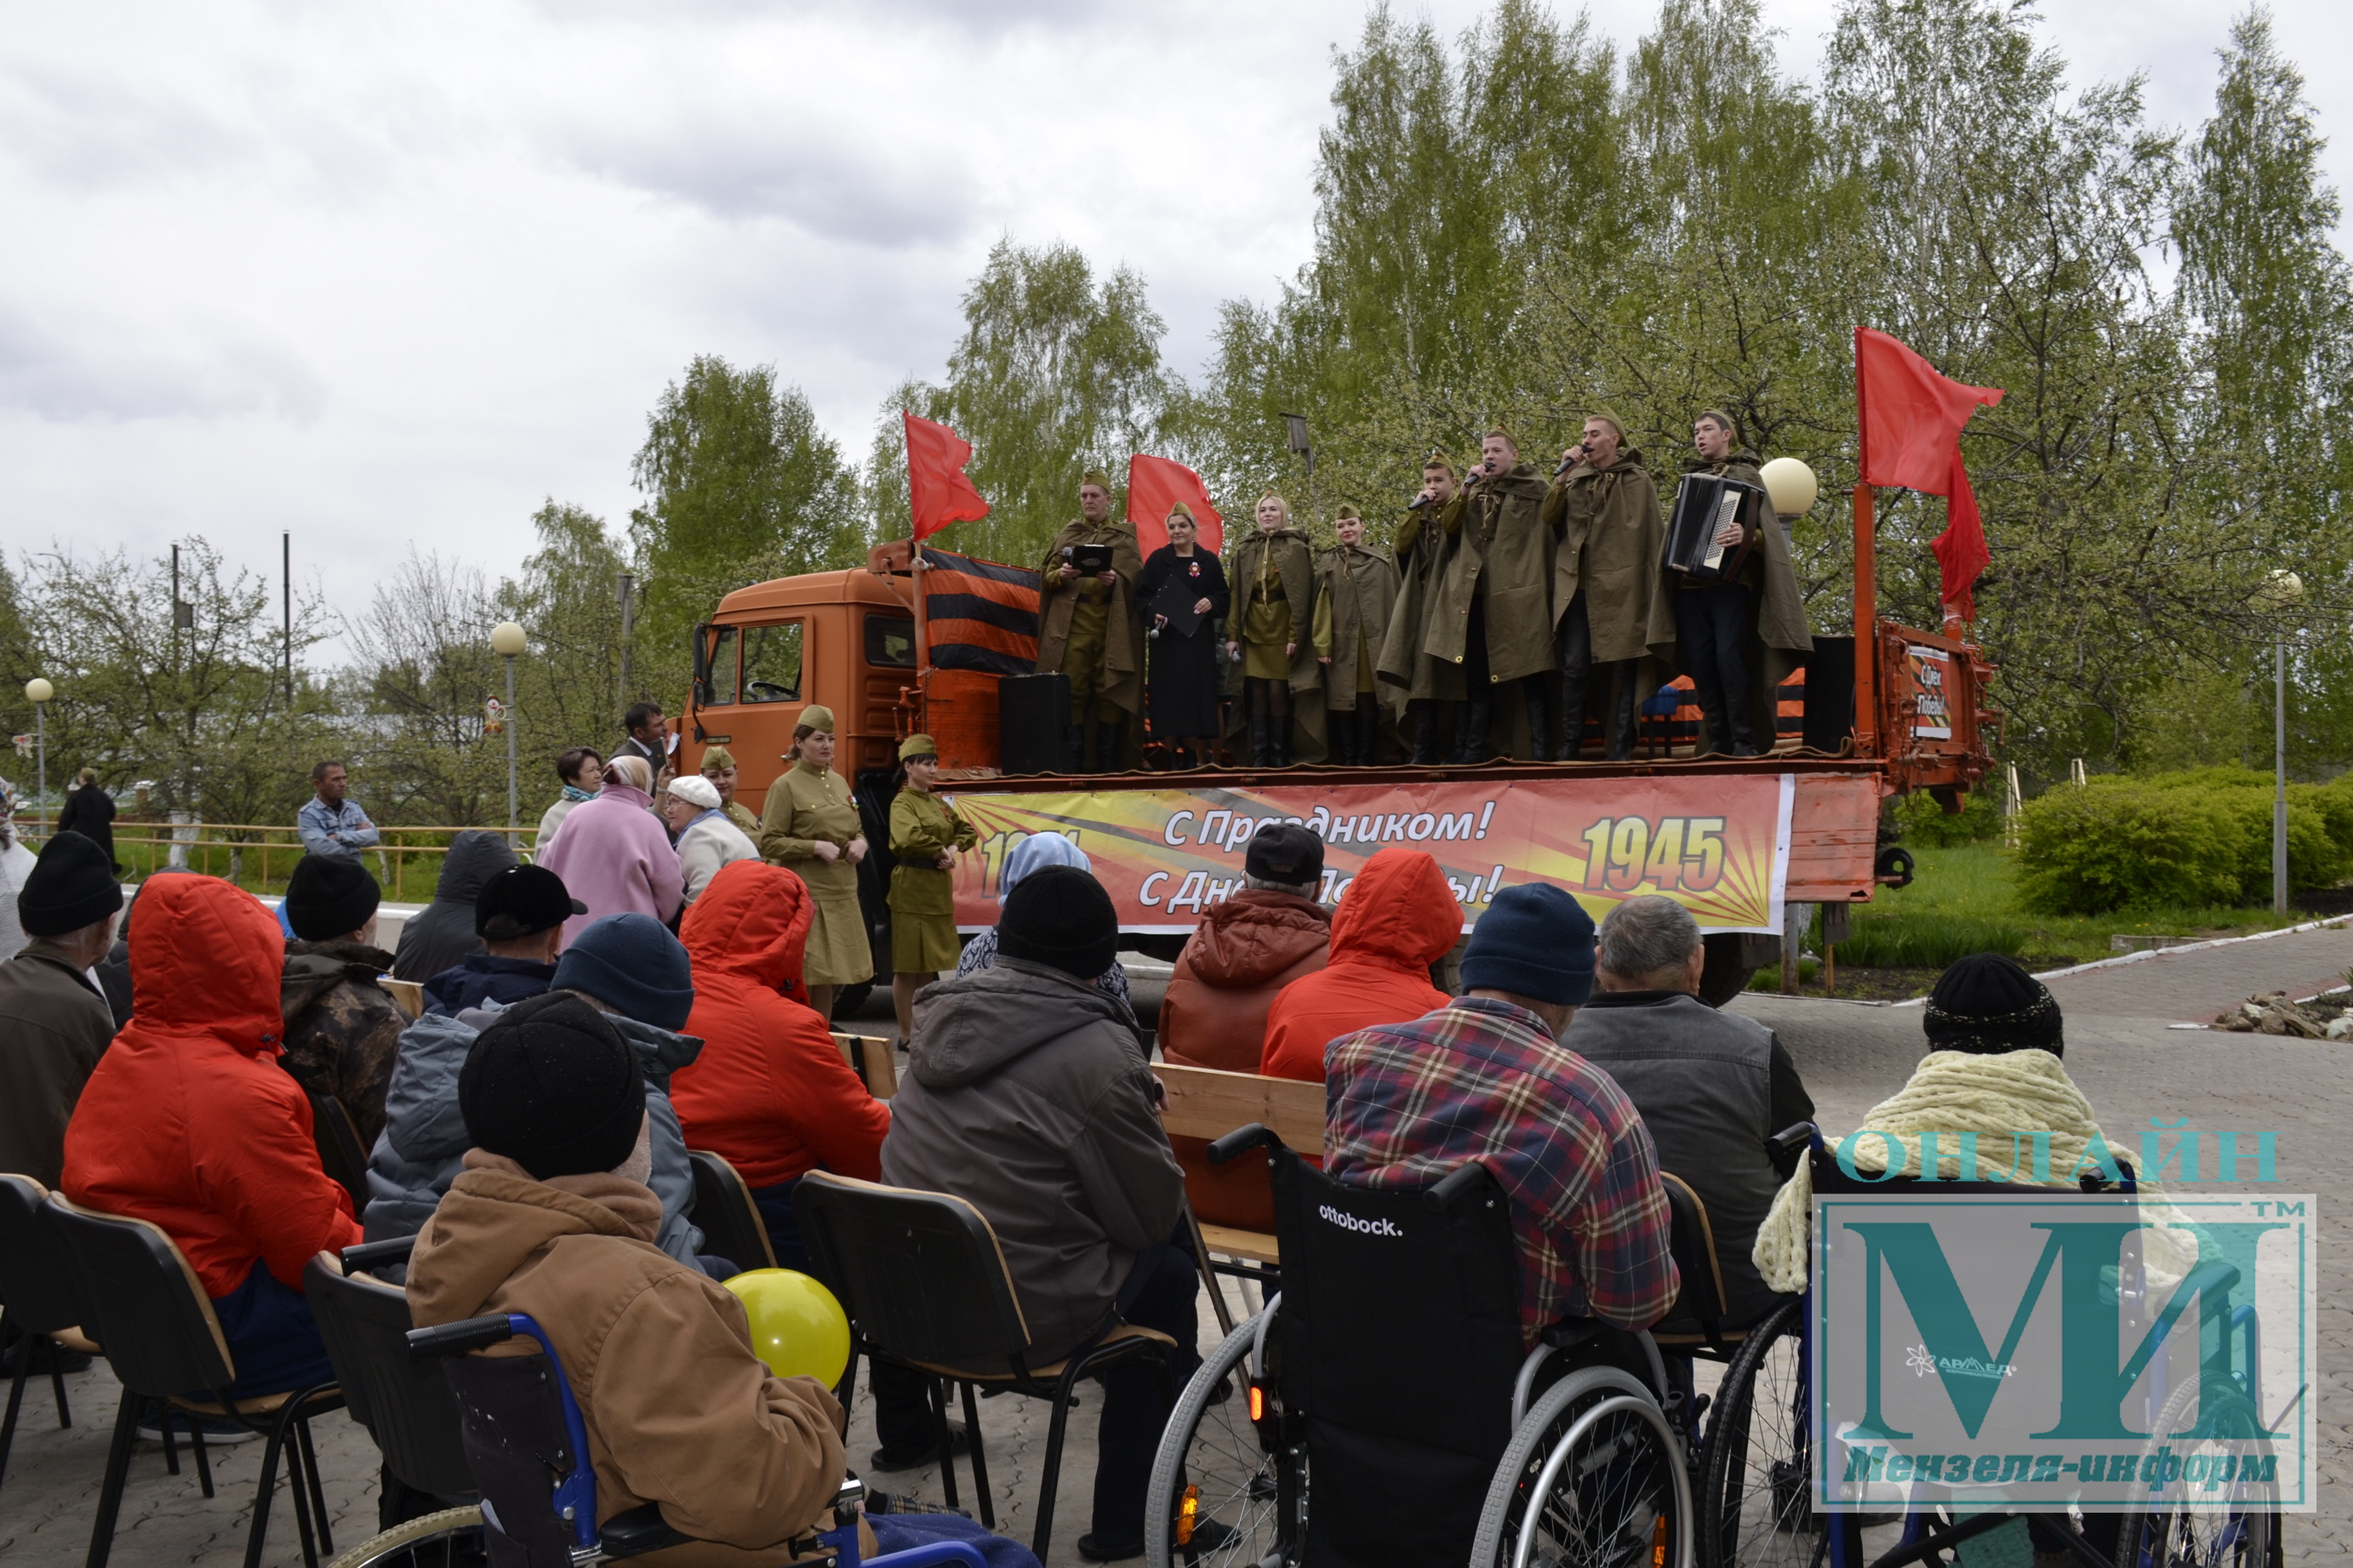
x=1087 y=622
x=1612 y=538
x=1504 y=554
x=1357 y=588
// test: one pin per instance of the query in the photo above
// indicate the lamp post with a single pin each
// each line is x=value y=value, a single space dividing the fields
x=38 y=691
x=2280 y=593
x=1790 y=487
x=507 y=641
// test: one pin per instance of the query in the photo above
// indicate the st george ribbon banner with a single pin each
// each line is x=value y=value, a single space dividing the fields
x=1718 y=845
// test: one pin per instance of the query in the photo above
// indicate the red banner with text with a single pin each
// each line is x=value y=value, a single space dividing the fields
x=1719 y=845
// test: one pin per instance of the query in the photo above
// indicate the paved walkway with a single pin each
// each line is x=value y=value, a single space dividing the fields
x=2120 y=1049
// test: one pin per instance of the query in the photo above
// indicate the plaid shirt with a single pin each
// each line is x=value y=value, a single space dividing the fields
x=1482 y=1079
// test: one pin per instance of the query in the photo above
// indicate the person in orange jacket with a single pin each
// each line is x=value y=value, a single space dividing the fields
x=190 y=1123
x=1395 y=919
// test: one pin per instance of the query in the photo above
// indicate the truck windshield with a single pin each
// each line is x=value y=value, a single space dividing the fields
x=771 y=663
x=891 y=640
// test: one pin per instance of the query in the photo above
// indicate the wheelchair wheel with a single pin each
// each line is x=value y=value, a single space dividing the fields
x=1219 y=1494
x=1593 y=1479
x=2166 y=1534
x=1752 y=1503
x=450 y=1539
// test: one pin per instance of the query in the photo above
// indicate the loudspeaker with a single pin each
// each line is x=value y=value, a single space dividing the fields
x=1033 y=724
x=1830 y=694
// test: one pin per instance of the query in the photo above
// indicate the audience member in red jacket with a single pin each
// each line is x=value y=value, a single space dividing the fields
x=770 y=1090
x=1396 y=919
x=189 y=1123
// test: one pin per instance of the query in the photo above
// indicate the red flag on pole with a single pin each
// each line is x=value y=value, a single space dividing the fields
x=1155 y=484
x=1912 y=420
x=937 y=489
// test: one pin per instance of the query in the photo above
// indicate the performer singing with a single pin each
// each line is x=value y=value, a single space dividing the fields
x=1183 y=673
x=1088 y=629
x=1356 y=590
x=1412 y=676
x=1494 y=610
x=1735 y=650
x=1274 y=571
x=1605 y=581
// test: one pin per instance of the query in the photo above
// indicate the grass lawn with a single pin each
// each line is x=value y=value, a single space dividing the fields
x=1963 y=900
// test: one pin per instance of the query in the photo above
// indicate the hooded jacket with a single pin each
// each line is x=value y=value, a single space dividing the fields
x=424 y=1142
x=437 y=938
x=1244 y=951
x=189 y=1122
x=1504 y=554
x=678 y=1409
x=1394 y=920
x=343 y=1030
x=1027 y=1095
x=770 y=1090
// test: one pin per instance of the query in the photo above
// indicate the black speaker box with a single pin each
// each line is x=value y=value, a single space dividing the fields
x=1830 y=694
x=1033 y=724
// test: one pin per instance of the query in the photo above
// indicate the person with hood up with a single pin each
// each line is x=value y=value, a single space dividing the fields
x=1035 y=853
x=552 y=1216
x=578 y=769
x=1274 y=578
x=519 y=917
x=613 y=854
x=343 y=1030
x=54 y=1023
x=630 y=970
x=719 y=767
x=1395 y=919
x=440 y=934
x=707 y=840
x=190 y=1122
x=1028 y=1096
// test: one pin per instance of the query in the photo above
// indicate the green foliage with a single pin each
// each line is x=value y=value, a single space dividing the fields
x=2185 y=838
x=1925 y=824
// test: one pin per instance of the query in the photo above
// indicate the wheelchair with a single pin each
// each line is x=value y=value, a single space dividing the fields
x=1307 y=1437
x=527 y=1445
x=1753 y=1463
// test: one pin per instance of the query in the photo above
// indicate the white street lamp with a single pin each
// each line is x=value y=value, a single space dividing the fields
x=2280 y=593
x=507 y=641
x=38 y=691
x=1791 y=485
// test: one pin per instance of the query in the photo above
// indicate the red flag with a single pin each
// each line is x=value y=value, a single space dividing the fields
x=1155 y=484
x=937 y=489
x=1912 y=420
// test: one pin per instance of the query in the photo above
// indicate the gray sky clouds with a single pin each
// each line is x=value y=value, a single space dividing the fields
x=390 y=274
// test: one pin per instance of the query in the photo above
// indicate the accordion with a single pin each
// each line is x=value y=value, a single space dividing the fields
x=1703 y=506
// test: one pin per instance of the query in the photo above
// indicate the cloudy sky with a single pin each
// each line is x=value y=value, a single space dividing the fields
x=387 y=275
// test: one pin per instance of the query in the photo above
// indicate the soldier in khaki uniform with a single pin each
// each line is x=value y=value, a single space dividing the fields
x=926 y=836
x=1416 y=680
x=1356 y=590
x=1492 y=612
x=1605 y=590
x=1088 y=627
x=809 y=826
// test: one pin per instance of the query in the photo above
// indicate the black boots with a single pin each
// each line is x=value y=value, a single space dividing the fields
x=1262 y=747
x=1621 y=716
x=1100 y=746
x=1472 y=719
x=1369 y=731
x=1423 y=732
x=1539 y=717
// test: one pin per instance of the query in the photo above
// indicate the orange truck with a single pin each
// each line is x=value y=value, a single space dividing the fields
x=896 y=646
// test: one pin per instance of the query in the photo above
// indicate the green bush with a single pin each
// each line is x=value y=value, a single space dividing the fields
x=1926 y=825
x=2200 y=837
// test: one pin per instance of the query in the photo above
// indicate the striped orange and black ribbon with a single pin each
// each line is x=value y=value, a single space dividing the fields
x=981 y=614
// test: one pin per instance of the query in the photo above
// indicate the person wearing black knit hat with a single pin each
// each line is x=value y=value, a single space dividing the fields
x=54 y=1022
x=1986 y=1005
x=1027 y=1095
x=342 y=1028
x=551 y=1086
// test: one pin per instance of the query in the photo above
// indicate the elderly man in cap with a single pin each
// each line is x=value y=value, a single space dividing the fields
x=719 y=767
x=1711 y=1086
x=343 y=1030
x=1487 y=1078
x=519 y=915
x=809 y=826
x=54 y=1022
x=1605 y=581
x=1088 y=627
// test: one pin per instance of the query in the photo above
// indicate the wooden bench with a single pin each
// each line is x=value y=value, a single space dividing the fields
x=408 y=995
x=1205 y=1103
x=869 y=1057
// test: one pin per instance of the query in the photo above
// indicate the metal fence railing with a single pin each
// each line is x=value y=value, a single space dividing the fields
x=259 y=856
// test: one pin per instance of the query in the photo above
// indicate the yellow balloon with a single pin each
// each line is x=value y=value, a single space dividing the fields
x=797 y=1327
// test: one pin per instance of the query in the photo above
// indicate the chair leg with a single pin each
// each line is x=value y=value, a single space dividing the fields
x=264 y=1491
x=15 y=1402
x=58 y=1386
x=1050 y=1482
x=979 y=1460
x=171 y=1444
x=301 y=1494
x=942 y=1438
x=203 y=1462
x=118 y=1466
x=318 y=1496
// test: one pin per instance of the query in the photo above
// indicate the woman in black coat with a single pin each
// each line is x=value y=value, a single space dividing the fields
x=1182 y=680
x=89 y=811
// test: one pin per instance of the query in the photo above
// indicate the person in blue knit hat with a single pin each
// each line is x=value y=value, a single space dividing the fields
x=1485 y=1077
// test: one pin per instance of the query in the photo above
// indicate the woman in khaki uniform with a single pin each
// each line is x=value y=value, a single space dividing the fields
x=809 y=826
x=926 y=836
x=719 y=767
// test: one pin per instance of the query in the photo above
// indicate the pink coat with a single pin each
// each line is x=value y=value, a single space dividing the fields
x=615 y=858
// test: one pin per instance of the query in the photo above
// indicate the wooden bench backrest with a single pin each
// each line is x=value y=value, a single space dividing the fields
x=1205 y=1103
x=407 y=994
x=871 y=1058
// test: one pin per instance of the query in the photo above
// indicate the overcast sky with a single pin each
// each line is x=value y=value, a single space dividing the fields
x=388 y=276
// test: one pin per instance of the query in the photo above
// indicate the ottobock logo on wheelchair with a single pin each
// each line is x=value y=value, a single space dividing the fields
x=1346 y=1221
x=2106 y=1351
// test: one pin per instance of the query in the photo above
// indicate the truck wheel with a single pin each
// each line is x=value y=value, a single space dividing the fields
x=1727 y=973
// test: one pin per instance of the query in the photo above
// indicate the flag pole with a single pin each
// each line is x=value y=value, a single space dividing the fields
x=1866 y=624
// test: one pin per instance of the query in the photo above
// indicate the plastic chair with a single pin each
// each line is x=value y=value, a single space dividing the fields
x=731 y=1223
x=407 y=1408
x=926 y=1288
x=37 y=1288
x=162 y=1339
x=340 y=1153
